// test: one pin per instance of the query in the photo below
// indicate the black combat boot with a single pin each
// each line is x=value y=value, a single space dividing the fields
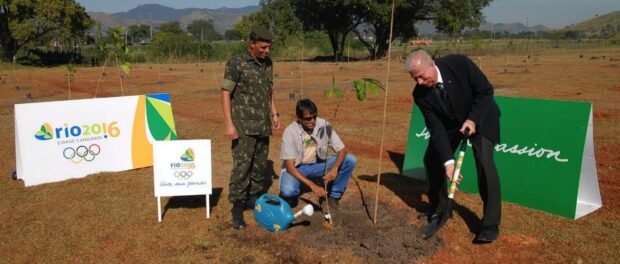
x=251 y=202
x=237 y=215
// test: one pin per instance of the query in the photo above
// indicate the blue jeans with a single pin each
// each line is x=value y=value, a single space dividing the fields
x=289 y=185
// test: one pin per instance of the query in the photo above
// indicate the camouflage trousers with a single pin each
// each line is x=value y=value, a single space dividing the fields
x=250 y=155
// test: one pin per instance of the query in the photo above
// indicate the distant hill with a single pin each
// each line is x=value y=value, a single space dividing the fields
x=223 y=18
x=108 y=20
x=154 y=12
x=594 y=26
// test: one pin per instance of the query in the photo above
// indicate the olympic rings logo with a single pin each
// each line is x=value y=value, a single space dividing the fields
x=76 y=155
x=183 y=175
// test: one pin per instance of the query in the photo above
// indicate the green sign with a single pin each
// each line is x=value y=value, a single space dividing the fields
x=545 y=158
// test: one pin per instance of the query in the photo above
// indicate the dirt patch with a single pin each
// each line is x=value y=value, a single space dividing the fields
x=392 y=240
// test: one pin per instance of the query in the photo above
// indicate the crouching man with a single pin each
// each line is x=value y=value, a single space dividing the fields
x=304 y=152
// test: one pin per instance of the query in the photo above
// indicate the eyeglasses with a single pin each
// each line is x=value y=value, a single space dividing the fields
x=310 y=118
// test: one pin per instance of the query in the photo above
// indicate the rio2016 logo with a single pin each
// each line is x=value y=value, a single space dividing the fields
x=47 y=132
x=188 y=155
x=183 y=170
x=76 y=155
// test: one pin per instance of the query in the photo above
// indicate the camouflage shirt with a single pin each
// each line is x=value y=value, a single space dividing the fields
x=250 y=83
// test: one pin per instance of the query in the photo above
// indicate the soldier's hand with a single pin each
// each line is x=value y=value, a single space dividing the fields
x=276 y=122
x=231 y=133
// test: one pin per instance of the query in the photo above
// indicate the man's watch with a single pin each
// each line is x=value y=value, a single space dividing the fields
x=275 y=114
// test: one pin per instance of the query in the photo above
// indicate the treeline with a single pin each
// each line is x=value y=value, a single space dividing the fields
x=302 y=28
x=607 y=33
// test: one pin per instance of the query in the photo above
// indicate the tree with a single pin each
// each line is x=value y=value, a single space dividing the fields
x=372 y=18
x=115 y=50
x=608 y=31
x=138 y=32
x=336 y=17
x=170 y=44
x=450 y=17
x=232 y=34
x=281 y=20
x=203 y=30
x=24 y=21
x=277 y=16
x=173 y=27
x=245 y=24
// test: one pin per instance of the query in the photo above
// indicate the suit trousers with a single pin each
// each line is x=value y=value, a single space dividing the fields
x=488 y=178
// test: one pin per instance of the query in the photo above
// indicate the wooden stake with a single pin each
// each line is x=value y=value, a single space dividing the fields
x=301 y=65
x=387 y=85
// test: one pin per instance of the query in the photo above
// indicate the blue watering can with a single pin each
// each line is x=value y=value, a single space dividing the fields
x=275 y=214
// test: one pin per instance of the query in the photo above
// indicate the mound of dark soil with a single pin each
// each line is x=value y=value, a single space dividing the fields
x=391 y=240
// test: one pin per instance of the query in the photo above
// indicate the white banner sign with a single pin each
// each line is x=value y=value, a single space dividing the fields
x=182 y=167
x=55 y=141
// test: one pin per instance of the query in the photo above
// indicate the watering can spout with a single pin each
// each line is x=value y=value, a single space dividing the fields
x=307 y=210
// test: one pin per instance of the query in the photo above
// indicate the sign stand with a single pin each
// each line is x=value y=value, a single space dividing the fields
x=182 y=168
x=588 y=195
x=159 y=207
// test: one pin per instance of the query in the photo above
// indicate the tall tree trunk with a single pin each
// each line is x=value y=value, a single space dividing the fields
x=371 y=48
x=382 y=44
x=333 y=40
x=9 y=46
x=342 y=42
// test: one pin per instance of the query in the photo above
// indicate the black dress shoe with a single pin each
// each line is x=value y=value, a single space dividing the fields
x=435 y=224
x=487 y=234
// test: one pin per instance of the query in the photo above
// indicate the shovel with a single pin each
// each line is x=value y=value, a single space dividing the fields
x=327 y=216
x=429 y=230
x=457 y=169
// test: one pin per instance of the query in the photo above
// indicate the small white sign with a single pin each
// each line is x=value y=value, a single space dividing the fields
x=182 y=167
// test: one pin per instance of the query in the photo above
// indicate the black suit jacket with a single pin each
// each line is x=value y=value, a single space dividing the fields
x=469 y=94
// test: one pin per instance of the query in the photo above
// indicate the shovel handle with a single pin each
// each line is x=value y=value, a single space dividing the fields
x=459 y=164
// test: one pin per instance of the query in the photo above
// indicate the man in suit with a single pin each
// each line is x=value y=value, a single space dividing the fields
x=454 y=96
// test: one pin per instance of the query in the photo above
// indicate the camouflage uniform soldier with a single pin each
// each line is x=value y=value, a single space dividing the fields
x=249 y=114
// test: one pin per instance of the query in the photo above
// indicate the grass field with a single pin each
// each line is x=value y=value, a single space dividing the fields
x=111 y=217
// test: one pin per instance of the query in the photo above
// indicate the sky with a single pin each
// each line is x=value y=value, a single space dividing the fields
x=551 y=13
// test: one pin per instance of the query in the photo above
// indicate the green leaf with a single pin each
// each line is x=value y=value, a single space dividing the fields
x=329 y=92
x=361 y=95
x=374 y=82
x=43 y=129
x=361 y=92
x=126 y=67
x=372 y=88
x=357 y=85
x=338 y=93
x=333 y=91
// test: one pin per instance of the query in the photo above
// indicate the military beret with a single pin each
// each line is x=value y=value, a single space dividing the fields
x=260 y=33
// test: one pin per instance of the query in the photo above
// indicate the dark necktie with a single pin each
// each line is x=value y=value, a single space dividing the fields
x=442 y=91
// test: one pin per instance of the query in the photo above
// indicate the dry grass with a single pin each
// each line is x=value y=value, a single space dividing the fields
x=111 y=217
